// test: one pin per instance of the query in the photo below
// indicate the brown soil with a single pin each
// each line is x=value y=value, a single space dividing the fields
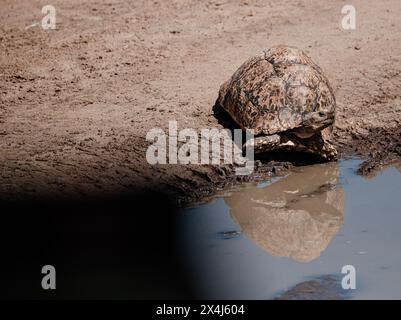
x=76 y=102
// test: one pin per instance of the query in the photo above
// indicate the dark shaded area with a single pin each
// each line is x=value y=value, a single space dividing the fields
x=120 y=247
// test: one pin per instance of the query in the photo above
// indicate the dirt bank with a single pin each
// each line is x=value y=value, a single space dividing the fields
x=76 y=102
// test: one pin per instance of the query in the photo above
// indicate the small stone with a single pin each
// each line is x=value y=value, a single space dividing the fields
x=230 y=234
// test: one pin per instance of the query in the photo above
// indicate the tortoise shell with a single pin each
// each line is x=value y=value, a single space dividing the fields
x=273 y=91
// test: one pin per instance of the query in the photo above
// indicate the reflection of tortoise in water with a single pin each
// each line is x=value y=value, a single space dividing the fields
x=284 y=97
x=296 y=216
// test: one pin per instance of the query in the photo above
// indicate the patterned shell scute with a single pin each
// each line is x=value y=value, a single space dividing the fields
x=273 y=91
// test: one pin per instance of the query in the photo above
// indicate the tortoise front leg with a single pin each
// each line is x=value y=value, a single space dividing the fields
x=314 y=145
x=328 y=151
x=264 y=143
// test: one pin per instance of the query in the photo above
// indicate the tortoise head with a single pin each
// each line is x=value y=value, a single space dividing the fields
x=314 y=122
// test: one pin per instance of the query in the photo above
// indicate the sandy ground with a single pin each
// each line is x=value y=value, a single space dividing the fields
x=76 y=102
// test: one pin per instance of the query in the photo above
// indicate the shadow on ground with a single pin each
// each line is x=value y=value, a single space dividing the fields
x=119 y=247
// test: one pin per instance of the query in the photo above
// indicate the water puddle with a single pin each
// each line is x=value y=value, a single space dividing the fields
x=290 y=238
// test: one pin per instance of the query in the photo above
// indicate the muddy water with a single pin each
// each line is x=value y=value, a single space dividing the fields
x=289 y=238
